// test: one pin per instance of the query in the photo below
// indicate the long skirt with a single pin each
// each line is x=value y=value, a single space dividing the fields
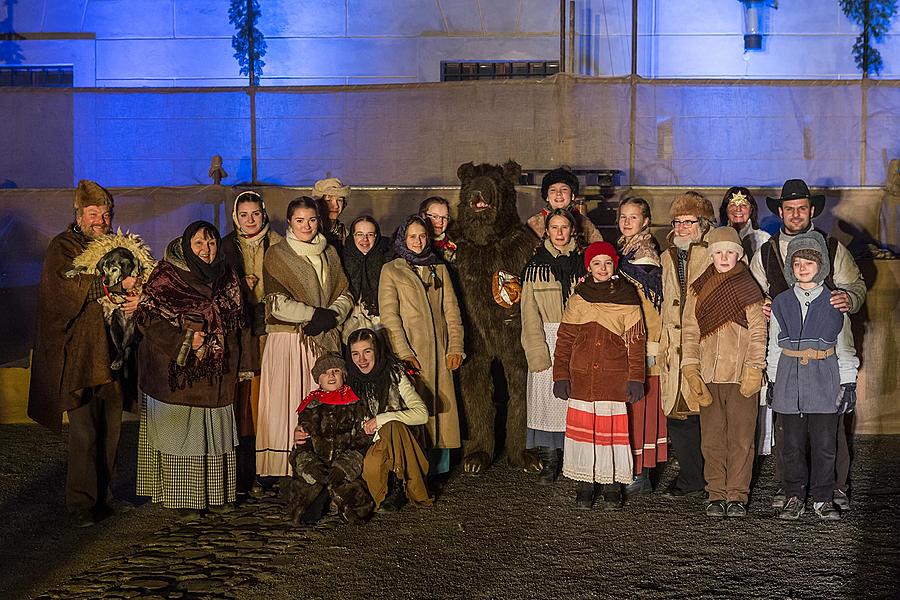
x=597 y=448
x=765 y=426
x=285 y=381
x=546 y=416
x=649 y=432
x=186 y=455
x=396 y=451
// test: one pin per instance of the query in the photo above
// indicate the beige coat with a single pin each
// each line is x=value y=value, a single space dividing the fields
x=670 y=344
x=723 y=355
x=426 y=324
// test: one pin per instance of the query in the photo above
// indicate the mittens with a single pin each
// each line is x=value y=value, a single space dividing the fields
x=634 y=392
x=322 y=320
x=700 y=395
x=751 y=381
x=770 y=393
x=562 y=388
x=847 y=400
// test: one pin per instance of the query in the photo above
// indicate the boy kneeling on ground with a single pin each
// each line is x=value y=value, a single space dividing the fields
x=328 y=466
x=812 y=367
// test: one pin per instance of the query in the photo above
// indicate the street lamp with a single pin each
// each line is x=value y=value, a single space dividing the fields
x=755 y=18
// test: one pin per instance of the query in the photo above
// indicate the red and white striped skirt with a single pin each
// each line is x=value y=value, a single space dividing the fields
x=597 y=445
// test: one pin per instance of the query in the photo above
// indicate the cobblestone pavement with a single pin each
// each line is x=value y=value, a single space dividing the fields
x=496 y=536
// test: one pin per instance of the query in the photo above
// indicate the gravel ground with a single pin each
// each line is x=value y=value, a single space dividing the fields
x=497 y=536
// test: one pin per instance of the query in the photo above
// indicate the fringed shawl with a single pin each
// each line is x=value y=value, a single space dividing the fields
x=623 y=319
x=169 y=296
x=341 y=396
x=723 y=297
x=549 y=264
x=640 y=265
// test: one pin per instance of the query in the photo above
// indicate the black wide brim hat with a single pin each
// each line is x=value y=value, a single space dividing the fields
x=796 y=189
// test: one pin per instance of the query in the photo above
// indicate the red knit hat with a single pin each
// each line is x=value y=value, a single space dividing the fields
x=598 y=248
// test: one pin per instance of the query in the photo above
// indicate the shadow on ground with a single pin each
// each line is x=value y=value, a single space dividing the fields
x=498 y=536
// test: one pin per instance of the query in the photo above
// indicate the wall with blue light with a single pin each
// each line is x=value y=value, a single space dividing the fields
x=313 y=42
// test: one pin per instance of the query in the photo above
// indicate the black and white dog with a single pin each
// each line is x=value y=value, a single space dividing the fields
x=117 y=265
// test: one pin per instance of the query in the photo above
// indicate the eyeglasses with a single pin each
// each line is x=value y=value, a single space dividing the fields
x=440 y=218
x=687 y=223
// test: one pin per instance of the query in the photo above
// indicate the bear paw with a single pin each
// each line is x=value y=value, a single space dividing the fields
x=527 y=460
x=476 y=463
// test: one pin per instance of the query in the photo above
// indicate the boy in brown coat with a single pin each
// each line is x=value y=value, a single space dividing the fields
x=724 y=346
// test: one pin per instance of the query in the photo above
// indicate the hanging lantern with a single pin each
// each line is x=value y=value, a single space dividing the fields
x=755 y=19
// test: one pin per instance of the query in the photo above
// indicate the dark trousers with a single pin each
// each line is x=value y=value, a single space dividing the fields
x=841 y=459
x=94 y=429
x=685 y=438
x=821 y=433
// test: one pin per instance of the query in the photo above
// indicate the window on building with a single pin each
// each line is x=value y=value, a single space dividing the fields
x=497 y=69
x=36 y=76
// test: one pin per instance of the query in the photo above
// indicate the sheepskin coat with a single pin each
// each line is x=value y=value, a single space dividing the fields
x=425 y=323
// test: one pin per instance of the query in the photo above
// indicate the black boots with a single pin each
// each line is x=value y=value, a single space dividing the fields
x=549 y=465
x=396 y=497
x=640 y=486
x=584 y=495
x=612 y=496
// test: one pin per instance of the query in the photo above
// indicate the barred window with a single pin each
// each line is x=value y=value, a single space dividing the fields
x=36 y=76
x=497 y=69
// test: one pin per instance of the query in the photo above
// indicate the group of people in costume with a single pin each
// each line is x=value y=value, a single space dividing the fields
x=323 y=361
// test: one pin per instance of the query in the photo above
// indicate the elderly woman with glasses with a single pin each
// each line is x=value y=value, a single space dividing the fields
x=685 y=259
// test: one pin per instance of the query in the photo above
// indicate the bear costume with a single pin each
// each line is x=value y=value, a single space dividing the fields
x=493 y=246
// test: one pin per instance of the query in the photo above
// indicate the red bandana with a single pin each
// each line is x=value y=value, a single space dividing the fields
x=343 y=395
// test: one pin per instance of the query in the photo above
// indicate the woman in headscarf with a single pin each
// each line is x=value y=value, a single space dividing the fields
x=547 y=282
x=307 y=299
x=190 y=315
x=364 y=254
x=243 y=249
x=395 y=466
x=421 y=314
x=640 y=265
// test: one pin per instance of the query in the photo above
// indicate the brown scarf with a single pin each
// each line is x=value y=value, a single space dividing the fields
x=614 y=291
x=722 y=297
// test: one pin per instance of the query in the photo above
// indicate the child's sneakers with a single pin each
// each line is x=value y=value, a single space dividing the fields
x=841 y=500
x=793 y=508
x=827 y=511
x=778 y=499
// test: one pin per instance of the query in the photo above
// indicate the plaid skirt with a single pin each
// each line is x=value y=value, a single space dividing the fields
x=597 y=448
x=195 y=482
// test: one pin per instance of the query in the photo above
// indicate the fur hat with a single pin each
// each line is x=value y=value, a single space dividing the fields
x=811 y=246
x=796 y=189
x=559 y=175
x=598 y=248
x=326 y=362
x=91 y=193
x=331 y=187
x=692 y=203
x=722 y=238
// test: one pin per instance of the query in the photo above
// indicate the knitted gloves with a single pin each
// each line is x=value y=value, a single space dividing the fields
x=562 y=388
x=634 y=392
x=322 y=320
x=751 y=381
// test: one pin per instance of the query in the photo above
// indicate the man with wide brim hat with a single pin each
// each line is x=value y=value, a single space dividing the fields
x=797 y=207
x=796 y=189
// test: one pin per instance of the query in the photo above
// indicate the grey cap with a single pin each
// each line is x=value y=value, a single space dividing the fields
x=811 y=240
x=326 y=362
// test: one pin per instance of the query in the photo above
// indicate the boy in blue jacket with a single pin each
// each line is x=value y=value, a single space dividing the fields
x=812 y=367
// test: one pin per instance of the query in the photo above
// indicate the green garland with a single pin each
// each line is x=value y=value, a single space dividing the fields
x=244 y=14
x=874 y=18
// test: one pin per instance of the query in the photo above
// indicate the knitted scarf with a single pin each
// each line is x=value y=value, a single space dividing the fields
x=722 y=297
x=644 y=276
x=340 y=396
x=169 y=296
x=364 y=271
x=550 y=264
x=614 y=291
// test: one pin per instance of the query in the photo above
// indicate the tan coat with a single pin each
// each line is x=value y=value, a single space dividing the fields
x=425 y=324
x=723 y=355
x=541 y=303
x=670 y=344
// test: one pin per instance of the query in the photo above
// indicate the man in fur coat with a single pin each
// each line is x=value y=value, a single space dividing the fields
x=70 y=370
